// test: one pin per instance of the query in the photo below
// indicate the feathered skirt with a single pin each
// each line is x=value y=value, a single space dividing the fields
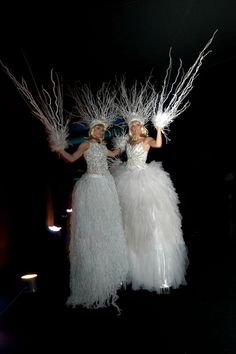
x=97 y=246
x=152 y=224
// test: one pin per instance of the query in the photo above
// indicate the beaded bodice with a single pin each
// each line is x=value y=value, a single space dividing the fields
x=136 y=155
x=96 y=158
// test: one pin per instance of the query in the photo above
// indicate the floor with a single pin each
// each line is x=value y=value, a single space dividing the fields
x=197 y=318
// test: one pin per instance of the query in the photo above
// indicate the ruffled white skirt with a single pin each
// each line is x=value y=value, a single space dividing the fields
x=97 y=249
x=152 y=224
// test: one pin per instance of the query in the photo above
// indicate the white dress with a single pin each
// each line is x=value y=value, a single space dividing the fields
x=152 y=223
x=97 y=249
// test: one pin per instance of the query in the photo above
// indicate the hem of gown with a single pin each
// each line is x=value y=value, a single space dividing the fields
x=164 y=289
x=95 y=305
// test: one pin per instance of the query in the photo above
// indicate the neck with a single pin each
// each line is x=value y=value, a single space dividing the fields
x=136 y=137
x=97 y=140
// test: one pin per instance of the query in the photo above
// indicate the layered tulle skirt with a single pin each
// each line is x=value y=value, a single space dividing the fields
x=97 y=248
x=152 y=225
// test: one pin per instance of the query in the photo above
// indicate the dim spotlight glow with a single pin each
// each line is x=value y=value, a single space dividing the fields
x=29 y=276
x=30 y=282
x=54 y=228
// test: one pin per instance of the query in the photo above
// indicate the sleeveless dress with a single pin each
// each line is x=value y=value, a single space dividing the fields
x=152 y=223
x=97 y=248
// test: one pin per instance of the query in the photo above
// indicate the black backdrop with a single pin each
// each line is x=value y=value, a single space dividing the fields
x=95 y=42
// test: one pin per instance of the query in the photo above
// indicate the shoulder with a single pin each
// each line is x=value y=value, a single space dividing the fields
x=148 y=140
x=85 y=145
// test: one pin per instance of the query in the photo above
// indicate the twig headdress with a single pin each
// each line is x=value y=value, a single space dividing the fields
x=137 y=102
x=93 y=109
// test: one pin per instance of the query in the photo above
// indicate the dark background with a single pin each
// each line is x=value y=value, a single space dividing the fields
x=95 y=42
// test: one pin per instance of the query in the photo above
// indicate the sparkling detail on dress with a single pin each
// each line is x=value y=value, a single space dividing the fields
x=136 y=155
x=96 y=158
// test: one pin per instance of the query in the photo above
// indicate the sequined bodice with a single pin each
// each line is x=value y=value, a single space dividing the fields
x=136 y=155
x=96 y=158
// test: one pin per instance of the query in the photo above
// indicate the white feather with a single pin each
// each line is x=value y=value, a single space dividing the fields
x=120 y=140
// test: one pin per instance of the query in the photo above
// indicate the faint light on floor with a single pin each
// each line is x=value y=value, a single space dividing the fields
x=30 y=282
x=54 y=228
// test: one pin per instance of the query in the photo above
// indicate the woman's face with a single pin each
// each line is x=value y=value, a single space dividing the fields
x=98 y=131
x=136 y=128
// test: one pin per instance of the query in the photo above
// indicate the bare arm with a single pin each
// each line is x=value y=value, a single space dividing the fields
x=113 y=153
x=155 y=143
x=76 y=155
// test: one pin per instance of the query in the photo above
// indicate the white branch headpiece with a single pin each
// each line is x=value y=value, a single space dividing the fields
x=136 y=103
x=95 y=109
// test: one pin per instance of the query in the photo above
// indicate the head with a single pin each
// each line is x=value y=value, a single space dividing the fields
x=137 y=129
x=97 y=131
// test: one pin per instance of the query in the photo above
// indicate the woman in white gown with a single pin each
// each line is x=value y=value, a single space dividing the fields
x=152 y=222
x=97 y=249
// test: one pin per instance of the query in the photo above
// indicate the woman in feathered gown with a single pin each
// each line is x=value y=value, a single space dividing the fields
x=98 y=258
x=152 y=222
x=97 y=248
